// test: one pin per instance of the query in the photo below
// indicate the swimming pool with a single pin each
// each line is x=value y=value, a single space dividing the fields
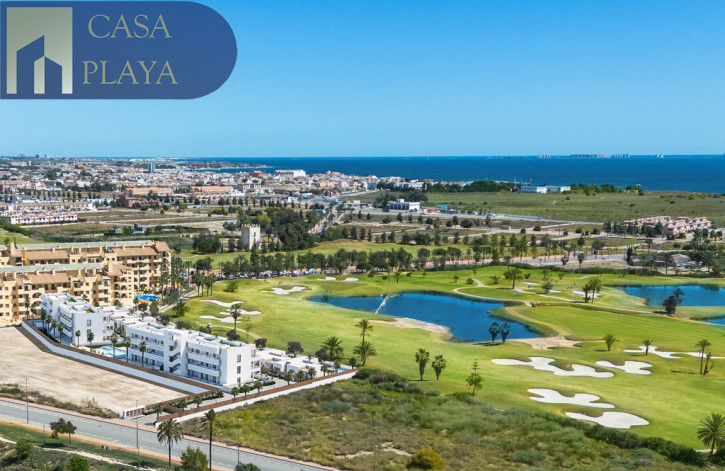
x=147 y=297
x=107 y=350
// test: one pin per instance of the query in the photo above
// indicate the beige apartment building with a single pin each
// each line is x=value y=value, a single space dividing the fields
x=101 y=272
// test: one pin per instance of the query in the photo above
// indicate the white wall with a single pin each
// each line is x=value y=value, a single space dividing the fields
x=142 y=375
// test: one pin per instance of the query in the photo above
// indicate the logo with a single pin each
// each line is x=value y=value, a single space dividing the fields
x=39 y=52
x=114 y=49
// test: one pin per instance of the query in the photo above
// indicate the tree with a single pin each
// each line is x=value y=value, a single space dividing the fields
x=494 y=329
x=182 y=404
x=475 y=380
x=364 y=350
x=294 y=348
x=300 y=376
x=143 y=349
x=193 y=459
x=169 y=432
x=23 y=449
x=231 y=286
x=236 y=312
x=333 y=347
x=504 y=330
x=288 y=377
x=671 y=302
x=609 y=340
x=365 y=326
x=513 y=274
x=547 y=286
x=592 y=286
x=114 y=342
x=209 y=421
x=78 y=337
x=62 y=427
x=247 y=325
x=495 y=279
x=180 y=309
x=158 y=409
x=422 y=356
x=198 y=400
x=260 y=343
x=647 y=343
x=77 y=463
x=702 y=344
x=580 y=258
x=89 y=337
x=439 y=364
x=426 y=459
x=712 y=432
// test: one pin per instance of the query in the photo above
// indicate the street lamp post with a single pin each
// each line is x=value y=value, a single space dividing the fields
x=138 y=450
x=27 y=405
x=238 y=428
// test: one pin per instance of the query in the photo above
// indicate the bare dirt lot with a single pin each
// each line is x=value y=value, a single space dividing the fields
x=71 y=381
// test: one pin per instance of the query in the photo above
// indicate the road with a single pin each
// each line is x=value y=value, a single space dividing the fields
x=113 y=433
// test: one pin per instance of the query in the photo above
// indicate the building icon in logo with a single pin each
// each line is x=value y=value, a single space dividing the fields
x=38 y=52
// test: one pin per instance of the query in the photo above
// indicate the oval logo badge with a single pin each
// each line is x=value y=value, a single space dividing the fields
x=113 y=50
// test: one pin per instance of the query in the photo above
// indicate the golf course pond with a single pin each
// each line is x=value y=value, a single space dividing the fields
x=693 y=295
x=467 y=319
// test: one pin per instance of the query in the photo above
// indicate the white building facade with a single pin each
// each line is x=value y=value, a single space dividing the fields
x=77 y=315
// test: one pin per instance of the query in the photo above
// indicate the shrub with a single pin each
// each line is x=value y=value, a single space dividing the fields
x=426 y=459
x=23 y=448
x=233 y=335
x=470 y=281
x=77 y=463
x=246 y=467
x=336 y=406
x=529 y=456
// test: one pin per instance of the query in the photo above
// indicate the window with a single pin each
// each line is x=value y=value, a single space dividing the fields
x=88 y=323
x=239 y=358
x=239 y=369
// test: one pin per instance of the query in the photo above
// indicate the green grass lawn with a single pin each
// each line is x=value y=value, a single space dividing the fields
x=598 y=207
x=673 y=399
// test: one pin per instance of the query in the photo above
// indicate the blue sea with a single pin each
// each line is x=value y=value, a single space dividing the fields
x=683 y=173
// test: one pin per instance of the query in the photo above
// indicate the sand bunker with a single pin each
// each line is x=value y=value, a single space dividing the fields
x=283 y=291
x=543 y=364
x=611 y=419
x=530 y=283
x=350 y=279
x=327 y=278
x=581 y=293
x=669 y=355
x=242 y=312
x=221 y=303
x=554 y=291
x=551 y=396
x=545 y=343
x=632 y=367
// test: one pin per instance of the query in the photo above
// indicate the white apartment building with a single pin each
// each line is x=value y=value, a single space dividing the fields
x=192 y=354
x=77 y=315
x=402 y=205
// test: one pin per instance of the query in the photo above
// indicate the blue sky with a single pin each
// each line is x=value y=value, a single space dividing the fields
x=356 y=78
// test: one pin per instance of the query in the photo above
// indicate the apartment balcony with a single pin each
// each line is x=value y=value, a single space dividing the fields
x=202 y=358
x=204 y=370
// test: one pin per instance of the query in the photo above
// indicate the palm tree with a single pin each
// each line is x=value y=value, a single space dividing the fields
x=365 y=326
x=169 y=431
x=180 y=308
x=609 y=339
x=142 y=348
x=333 y=346
x=126 y=345
x=89 y=337
x=158 y=409
x=365 y=350
x=78 y=337
x=114 y=342
x=235 y=313
x=210 y=420
x=325 y=369
x=439 y=364
x=712 y=432
x=422 y=356
x=702 y=345
x=647 y=343
x=288 y=377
